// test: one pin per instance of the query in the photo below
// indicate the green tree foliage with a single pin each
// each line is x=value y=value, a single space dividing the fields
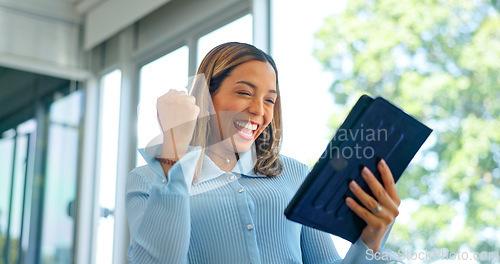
x=440 y=61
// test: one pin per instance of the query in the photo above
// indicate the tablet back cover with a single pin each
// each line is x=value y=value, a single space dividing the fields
x=374 y=129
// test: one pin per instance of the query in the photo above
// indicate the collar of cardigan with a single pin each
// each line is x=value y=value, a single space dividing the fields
x=209 y=171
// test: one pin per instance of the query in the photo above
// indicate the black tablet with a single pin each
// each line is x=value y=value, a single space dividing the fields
x=374 y=129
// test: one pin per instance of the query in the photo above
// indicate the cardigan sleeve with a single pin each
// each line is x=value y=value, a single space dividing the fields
x=317 y=247
x=158 y=211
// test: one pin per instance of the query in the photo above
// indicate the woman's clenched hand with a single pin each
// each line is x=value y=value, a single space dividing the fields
x=177 y=114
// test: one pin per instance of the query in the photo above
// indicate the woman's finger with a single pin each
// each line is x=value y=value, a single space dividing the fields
x=368 y=201
x=378 y=190
x=388 y=180
x=362 y=212
x=373 y=206
x=191 y=99
x=174 y=91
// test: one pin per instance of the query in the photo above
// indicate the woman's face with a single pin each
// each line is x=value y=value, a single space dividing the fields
x=244 y=104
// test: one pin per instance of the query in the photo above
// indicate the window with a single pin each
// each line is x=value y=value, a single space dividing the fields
x=60 y=179
x=107 y=164
x=293 y=42
x=7 y=150
x=14 y=205
x=239 y=30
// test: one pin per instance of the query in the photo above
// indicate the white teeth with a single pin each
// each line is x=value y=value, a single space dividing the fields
x=246 y=134
x=246 y=125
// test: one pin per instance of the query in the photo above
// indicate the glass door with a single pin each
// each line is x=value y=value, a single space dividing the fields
x=59 y=185
x=107 y=154
x=14 y=146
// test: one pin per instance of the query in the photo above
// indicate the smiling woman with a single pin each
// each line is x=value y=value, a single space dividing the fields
x=215 y=190
x=243 y=86
x=239 y=96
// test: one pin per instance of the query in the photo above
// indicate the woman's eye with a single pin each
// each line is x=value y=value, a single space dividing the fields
x=270 y=101
x=244 y=93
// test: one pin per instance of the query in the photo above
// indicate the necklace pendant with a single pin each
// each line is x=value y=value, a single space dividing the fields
x=227 y=161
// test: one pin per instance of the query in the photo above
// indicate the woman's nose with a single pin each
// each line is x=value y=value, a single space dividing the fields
x=256 y=107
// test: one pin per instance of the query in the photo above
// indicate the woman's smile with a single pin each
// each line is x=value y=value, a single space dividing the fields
x=246 y=129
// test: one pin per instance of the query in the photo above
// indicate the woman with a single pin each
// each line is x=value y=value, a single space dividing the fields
x=216 y=189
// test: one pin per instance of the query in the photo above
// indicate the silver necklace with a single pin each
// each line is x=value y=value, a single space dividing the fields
x=224 y=158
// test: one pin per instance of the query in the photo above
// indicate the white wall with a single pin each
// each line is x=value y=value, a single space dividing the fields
x=42 y=37
x=112 y=16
